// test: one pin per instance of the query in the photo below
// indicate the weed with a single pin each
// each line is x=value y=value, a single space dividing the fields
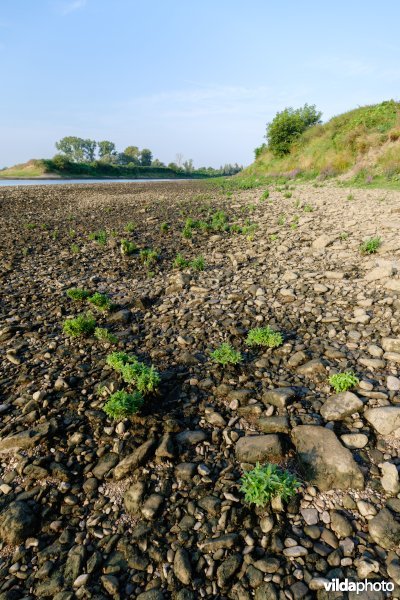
x=226 y=355
x=117 y=360
x=180 y=262
x=371 y=245
x=77 y=294
x=341 y=382
x=198 y=264
x=265 y=195
x=263 y=483
x=74 y=248
x=121 y=404
x=145 y=379
x=350 y=197
x=80 y=326
x=130 y=227
x=344 y=235
x=100 y=301
x=71 y=233
x=273 y=237
x=55 y=235
x=219 y=221
x=264 y=336
x=148 y=256
x=287 y=195
x=127 y=247
x=297 y=203
x=30 y=226
x=103 y=335
x=308 y=208
x=99 y=236
x=281 y=219
x=164 y=227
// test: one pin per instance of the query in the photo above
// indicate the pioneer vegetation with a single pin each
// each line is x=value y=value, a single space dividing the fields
x=200 y=391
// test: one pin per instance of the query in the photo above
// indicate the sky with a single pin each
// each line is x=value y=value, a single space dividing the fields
x=198 y=78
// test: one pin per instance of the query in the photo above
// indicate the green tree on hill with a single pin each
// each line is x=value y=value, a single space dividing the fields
x=288 y=125
x=107 y=151
x=146 y=157
x=77 y=149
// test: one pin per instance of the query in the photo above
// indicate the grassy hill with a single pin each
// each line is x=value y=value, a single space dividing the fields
x=362 y=144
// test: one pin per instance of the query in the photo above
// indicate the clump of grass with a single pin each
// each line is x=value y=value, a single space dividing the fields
x=127 y=247
x=273 y=237
x=341 y=382
x=219 y=221
x=121 y=404
x=263 y=483
x=148 y=256
x=249 y=229
x=99 y=236
x=180 y=262
x=226 y=355
x=74 y=248
x=77 y=294
x=103 y=335
x=187 y=231
x=30 y=225
x=344 y=235
x=264 y=336
x=281 y=219
x=145 y=379
x=100 y=301
x=350 y=197
x=164 y=227
x=130 y=227
x=371 y=245
x=308 y=208
x=287 y=195
x=81 y=325
x=265 y=195
x=197 y=264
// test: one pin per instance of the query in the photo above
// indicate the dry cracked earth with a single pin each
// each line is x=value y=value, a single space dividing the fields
x=150 y=507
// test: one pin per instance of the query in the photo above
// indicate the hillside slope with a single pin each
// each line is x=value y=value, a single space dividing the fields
x=364 y=142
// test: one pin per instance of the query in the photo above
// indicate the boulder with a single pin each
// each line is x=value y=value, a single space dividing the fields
x=385 y=419
x=340 y=406
x=385 y=530
x=258 y=448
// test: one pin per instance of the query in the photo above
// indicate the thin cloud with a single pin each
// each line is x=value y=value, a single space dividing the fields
x=69 y=7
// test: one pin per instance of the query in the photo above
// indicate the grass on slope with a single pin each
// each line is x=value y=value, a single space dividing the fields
x=33 y=168
x=365 y=143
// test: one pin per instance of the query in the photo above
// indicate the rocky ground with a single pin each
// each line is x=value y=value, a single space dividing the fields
x=150 y=507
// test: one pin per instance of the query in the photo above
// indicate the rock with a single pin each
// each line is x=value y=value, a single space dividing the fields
x=258 y=448
x=105 y=464
x=110 y=584
x=340 y=406
x=133 y=497
x=26 y=439
x=182 y=566
x=224 y=541
x=322 y=241
x=166 y=448
x=312 y=368
x=354 y=441
x=121 y=316
x=391 y=344
x=310 y=515
x=340 y=525
x=18 y=522
x=185 y=471
x=379 y=273
x=393 y=383
x=390 y=478
x=385 y=530
x=385 y=419
x=227 y=569
x=151 y=595
x=152 y=506
x=266 y=591
x=327 y=464
x=276 y=424
x=393 y=285
x=266 y=524
x=134 y=460
x=295 y=551
x=191 y=438
x=278 y=397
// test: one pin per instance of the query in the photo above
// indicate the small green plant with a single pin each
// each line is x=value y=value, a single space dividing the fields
x=219 y=221
x=74 y=248
x=265 y=195
x=103 y=335
x=371 y=245
x=281 y=219
x=341 y=382
x=263 y=483
x=197 y=264
x=77 y=294
x=100 y=301
x=273 y=237
x=55 y=234
x=308 y=208
x=350 y=197
x=164 y=227
x=148 y=256
x=145 y=379
x=226 y=355
x=130 y=227
x=80 y=326
x=30 y=225
x=287 y=195
x=117 y=360
x=127 y=247
x=72 y=233
x=297 y=203
x=187 y=231
x=99 y=236
x=180 y=262
x=121 y=404
x=264 y=336
x=344 y=235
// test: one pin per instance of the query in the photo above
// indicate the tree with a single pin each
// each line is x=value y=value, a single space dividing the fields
x=188 y=166
x=106 y=150
x=288 y=125
x=89 y=150
x=77 y=149
x=133 y=154
x=146 y=157
x=157 y=163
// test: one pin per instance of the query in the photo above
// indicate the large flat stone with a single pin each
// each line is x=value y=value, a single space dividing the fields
x=258 y=448
x=340 y=406
x=326 y=463
x=384 y=419
x=26 y=439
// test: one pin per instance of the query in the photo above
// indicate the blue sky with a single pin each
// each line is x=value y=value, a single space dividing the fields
x=197 y=78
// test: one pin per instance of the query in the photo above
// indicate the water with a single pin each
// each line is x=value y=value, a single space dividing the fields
x=15 y=182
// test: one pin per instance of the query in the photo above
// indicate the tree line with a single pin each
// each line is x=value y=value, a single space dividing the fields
x=79 y=150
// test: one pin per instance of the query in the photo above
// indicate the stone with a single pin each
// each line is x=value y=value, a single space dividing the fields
x=393 y=285
x=26 y=439
x=390 y=478
x=340 y=406
x=224 y=541
x=266 y=591
x=152 y=506
x=258 y=448
x=134 y=460
x=275 y=424
x=312 y=368
x=326 y=463
x=295 y=551
x=391 y=344
x=278 y=397
x=340 y=525
x=166 y=448
x=133 y=497
x=354 y=441
x=185 y=471
x=385 y=419
x=182 y=566
x=18 y=522
x=191 y=438
x=385 y=530
x=393 y=383
x=322 y=241
x=105 y=464
x=227 y=569
x=310 y=515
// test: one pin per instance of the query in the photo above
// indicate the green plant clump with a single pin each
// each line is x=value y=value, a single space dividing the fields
x=103 y=335
x=148 y=256
x=127 y=247
x=145 y=379
x=100 y=301
x=130 y=227
x=263 y=483
x=180 y=262
x=265 y=195
x=264 y=336
x=77 y=294
x=370 y=246
x=99 y=236
x=80 y=325
x=197 y=264
x=121 y=404
x=341 y=382
x=226 y=355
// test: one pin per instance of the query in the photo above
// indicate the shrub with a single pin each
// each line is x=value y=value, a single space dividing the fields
x=80 y=325
x=263 y=483
x=288 y=125
x=308 y=208
x=127 y=247
x=99 y=236
x=78 y=295
x=341 y=382
x=371 y=245
x=103 y=335
x=100 y=301
x=287 y=195
x=121 y=404
x=264 y=336
x=226 y=354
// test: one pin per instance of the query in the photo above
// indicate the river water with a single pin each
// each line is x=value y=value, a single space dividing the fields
x=15 y=182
